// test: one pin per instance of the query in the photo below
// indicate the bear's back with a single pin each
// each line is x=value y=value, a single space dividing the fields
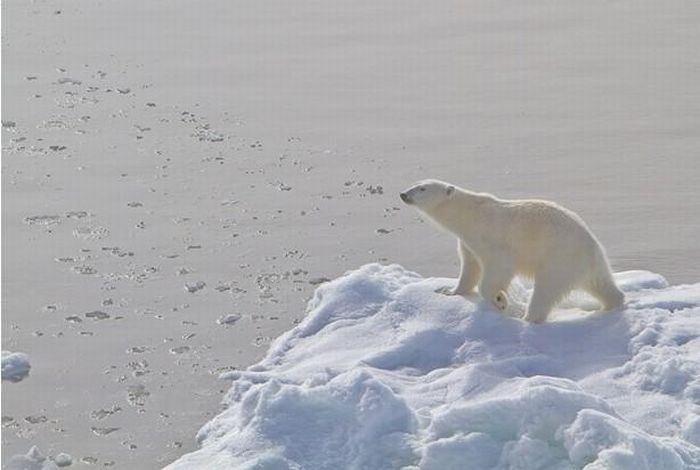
x=541 y=229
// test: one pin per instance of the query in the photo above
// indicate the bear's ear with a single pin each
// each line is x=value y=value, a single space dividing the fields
x=450 y=190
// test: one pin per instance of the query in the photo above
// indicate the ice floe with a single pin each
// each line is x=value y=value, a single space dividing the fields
x=385 y=373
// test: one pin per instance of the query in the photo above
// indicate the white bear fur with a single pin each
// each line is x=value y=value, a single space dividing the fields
x=500 y=238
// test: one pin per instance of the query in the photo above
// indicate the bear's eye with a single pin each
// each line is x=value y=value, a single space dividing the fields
x=422 y=189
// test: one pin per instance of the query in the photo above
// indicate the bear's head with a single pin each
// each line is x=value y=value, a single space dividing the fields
x=427 y=194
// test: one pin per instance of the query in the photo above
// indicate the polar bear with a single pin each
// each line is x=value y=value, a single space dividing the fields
x=498 y=239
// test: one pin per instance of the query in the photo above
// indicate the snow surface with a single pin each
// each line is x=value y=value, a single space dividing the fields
x=15 y=366
x=384 y=373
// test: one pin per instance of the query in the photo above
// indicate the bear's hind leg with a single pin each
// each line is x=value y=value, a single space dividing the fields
x=470 y=273
x=606 y=291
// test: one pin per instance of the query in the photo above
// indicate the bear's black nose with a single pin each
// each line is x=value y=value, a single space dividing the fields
x=404 y=198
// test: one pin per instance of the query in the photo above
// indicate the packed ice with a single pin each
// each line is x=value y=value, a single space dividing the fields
x=385 y=373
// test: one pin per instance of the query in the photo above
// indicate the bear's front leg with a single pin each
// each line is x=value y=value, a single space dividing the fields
x=469 y=273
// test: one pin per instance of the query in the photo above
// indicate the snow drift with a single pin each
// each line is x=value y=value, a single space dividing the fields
x=383 y=373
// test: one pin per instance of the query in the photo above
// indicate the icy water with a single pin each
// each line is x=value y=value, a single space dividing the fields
x=176 y=181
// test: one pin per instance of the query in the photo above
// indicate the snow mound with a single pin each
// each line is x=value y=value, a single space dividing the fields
x=383 y=373
x=15 y=366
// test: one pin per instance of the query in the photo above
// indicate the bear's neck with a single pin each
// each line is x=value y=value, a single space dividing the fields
x=459 y=215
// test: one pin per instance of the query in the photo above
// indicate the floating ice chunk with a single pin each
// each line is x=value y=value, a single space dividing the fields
x=15 y=366
x=42 y=220
x=228 y=319
x=68 y=81
x=194 y=287
x=32 y=460
x=205 y=134
x=63 y=460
